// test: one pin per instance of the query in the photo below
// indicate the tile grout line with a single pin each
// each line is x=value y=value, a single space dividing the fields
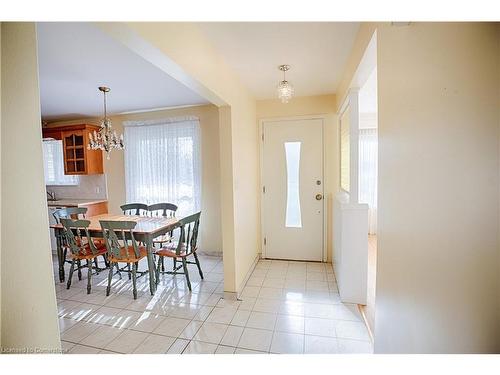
x=176 y=302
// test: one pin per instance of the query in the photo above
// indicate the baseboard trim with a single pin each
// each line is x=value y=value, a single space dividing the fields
x=210 y=253
x=365 y=320
x=230 y=296
x=249 y=273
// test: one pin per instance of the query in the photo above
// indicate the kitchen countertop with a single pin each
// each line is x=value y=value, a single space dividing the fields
x=74 y=202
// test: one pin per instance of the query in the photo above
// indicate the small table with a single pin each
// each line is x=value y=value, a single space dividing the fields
x=146 y=230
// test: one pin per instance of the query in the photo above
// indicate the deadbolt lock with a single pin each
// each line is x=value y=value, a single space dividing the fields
x=319 y=197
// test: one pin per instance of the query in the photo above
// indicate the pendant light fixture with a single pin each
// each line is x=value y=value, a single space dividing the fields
x=105 y=139
x=285 y=88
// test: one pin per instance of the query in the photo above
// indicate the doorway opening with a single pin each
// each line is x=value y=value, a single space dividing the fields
x=166 y=173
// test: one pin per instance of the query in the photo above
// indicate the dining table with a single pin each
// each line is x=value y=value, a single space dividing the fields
x=146 y=229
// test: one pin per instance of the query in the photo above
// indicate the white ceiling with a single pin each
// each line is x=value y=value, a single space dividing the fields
x=317 y=53
x=76 y=58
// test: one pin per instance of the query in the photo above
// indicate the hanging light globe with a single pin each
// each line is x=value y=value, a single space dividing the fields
x=285 y=88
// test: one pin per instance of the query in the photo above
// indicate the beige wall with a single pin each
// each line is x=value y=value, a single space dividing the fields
x=210 y=230
x=227 y=191
x=362 y=40
x=29 y=313
x=0 y=185
x=498 y=57
x=246 y=189
x=438 y=256
x=313 y=105
x=438 y=251
x=437 y=279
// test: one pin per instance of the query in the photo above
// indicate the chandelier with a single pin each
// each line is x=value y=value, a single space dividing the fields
x=285 y=89
x=105 y=139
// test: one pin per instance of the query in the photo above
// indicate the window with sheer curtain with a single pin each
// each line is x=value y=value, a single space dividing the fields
x=368 y=170
x=162 y=162
x=53 y=165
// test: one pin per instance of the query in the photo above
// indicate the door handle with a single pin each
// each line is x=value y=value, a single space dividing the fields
x=319 y=197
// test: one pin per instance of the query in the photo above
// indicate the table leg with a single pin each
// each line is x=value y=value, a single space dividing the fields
x=151 y=265
x=60 y=256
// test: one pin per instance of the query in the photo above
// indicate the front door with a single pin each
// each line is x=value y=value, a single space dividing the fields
x=293 y=189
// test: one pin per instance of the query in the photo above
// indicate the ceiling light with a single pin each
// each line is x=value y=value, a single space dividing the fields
x=105 y=139
x=285 y=88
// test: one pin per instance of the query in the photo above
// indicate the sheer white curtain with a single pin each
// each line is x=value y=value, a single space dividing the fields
x=53 y=165
x=162 y=162
x=368 y=171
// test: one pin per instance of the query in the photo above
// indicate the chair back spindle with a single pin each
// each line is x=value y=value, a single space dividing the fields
x=187 y=235
x=116 y=231
x=162 y=210
x=188 y=241
x=77 y=236
x=69 y=213
x=135 y=209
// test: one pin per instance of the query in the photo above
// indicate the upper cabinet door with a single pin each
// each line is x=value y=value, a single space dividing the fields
x=74 y=152
x=93 y=158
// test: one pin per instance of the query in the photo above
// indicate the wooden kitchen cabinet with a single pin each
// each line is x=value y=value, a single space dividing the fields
x=52 y=133
x=77 y=159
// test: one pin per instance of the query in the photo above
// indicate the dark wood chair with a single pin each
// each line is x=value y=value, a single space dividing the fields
x=122 y=248
x=82 y=248
x=134 y=209
x=184 y=248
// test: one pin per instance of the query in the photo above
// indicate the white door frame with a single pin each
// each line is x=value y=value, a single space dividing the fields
x=261 y=155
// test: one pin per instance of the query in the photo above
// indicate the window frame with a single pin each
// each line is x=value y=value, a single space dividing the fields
x=57 y=156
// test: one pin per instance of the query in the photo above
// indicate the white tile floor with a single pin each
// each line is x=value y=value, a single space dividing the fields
x=286 y=307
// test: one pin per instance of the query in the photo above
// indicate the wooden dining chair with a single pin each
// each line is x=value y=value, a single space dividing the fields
x=185 y=247
x=70 y=213
x=82 y=248
x=131 y=209
x=162 y=210
x=76 y=213
x=122 y=248
x=134 y=209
